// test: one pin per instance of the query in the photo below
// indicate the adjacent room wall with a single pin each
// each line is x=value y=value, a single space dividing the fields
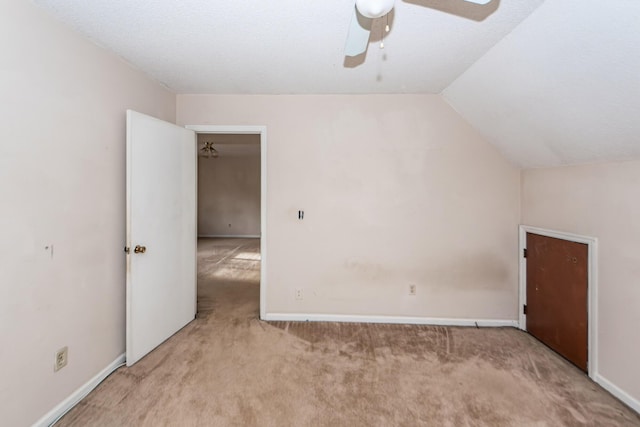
x=229 y=195
x=62 y=187
x=396 y=189
x=600 y=201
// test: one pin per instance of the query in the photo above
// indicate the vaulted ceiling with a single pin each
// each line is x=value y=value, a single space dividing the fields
x=292 y=46
x=548 y=82
x=562 y=88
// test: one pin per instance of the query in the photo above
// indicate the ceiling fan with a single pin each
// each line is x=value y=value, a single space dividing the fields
x=363 y=13
x=208 y=151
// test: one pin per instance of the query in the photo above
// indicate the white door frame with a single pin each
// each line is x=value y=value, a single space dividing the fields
x=592 y=287
x=262 y=131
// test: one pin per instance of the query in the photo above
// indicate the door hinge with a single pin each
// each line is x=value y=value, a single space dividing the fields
x=524 y=252
x=127 y=250
x=524 y=309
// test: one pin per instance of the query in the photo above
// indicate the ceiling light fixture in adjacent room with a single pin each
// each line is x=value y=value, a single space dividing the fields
x=209 y=151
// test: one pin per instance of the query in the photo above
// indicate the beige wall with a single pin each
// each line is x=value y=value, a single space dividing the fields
x=229 y=196
x=396 y=189
x=62 y=180
x=600 y=201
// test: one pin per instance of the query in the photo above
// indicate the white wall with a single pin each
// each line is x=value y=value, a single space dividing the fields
x=396 y=189
x=229 y=195
x=600 y=201
x=62 y=181
x=561 y=88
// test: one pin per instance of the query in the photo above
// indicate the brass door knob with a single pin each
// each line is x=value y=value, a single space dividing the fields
x=139 y=249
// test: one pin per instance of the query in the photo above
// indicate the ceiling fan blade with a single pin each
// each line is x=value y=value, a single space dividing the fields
x=358 y=36
x=478 y=1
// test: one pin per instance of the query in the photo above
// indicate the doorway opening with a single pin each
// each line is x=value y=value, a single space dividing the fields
x=231 y=219
x=558 y=293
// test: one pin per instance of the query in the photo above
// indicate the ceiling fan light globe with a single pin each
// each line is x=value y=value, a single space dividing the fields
x=374 y=8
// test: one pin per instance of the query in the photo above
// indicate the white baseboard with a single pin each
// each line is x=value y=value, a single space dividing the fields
x=66 y=405
x=622 y=395
x=300 y=317
x=231 y=236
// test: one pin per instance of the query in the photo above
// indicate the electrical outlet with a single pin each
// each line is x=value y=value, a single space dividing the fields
x=61 y=359
x=299 y=294
x=412 y=289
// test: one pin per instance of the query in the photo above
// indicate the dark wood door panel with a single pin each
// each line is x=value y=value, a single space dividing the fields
x=557 y=301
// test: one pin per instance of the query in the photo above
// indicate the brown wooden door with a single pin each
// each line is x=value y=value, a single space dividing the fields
x=557 y=295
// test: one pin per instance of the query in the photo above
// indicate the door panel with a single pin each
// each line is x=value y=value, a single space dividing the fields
x=557 y=277
x=161 y=216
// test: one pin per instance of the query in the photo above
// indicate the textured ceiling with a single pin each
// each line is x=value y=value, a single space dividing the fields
x=292 y=46
x=548 y=83
x=562 y=88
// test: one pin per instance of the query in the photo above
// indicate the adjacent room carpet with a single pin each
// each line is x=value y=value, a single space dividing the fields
x=228 y=368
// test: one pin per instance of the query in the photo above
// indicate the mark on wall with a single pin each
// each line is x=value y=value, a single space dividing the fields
x=364 y=268
x=469 y=272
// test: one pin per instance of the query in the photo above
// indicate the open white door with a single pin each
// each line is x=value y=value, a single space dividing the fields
x=161 y=232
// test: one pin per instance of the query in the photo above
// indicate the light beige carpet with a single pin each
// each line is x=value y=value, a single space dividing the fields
x=227 y=368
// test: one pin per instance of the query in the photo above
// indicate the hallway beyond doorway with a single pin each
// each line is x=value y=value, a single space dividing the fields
x=228 y=275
